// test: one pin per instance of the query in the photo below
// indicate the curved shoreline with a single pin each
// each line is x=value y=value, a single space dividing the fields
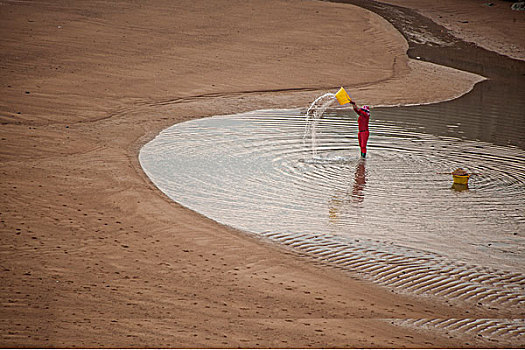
x=93 y=257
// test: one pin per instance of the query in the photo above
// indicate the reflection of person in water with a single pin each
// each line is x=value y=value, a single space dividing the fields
x=359 y=181
x=341 y=202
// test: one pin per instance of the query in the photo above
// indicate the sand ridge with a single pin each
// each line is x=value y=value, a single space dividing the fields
x=93 y=255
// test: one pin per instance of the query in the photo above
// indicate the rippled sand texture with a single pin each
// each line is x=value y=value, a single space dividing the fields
x=393 y=218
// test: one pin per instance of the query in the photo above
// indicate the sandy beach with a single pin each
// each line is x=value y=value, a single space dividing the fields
x=94 y=255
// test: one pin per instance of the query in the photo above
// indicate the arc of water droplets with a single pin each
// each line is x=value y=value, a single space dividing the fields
x=313 y=115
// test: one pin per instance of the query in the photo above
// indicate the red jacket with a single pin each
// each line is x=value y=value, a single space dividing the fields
x=363 y=119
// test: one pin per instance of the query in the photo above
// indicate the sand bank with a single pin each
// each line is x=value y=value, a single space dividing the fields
x=492 y=25
x=93 y=255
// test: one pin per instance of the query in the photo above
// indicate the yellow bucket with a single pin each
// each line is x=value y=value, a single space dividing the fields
x=342 y=97
x=461 y=179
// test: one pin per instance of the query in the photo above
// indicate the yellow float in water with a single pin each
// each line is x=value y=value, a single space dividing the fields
x=460 y=176
x=342 y=96
x=460 y=179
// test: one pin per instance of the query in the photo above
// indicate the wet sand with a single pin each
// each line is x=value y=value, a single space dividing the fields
x=93 y=255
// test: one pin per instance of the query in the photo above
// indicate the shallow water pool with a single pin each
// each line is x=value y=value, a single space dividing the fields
x=394 y=217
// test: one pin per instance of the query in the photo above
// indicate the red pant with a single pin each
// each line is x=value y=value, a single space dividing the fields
x=362 y=136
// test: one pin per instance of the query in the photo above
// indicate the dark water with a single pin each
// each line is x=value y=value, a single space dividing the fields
x=482 y=115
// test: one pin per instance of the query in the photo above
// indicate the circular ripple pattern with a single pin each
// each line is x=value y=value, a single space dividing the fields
x=395 y=217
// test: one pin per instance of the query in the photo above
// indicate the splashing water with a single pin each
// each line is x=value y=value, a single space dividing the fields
x=313 y=115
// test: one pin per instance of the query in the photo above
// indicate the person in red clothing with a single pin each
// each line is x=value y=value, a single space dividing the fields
x=362 y=122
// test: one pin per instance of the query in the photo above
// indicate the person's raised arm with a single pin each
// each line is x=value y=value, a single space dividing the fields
x=356 y=109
